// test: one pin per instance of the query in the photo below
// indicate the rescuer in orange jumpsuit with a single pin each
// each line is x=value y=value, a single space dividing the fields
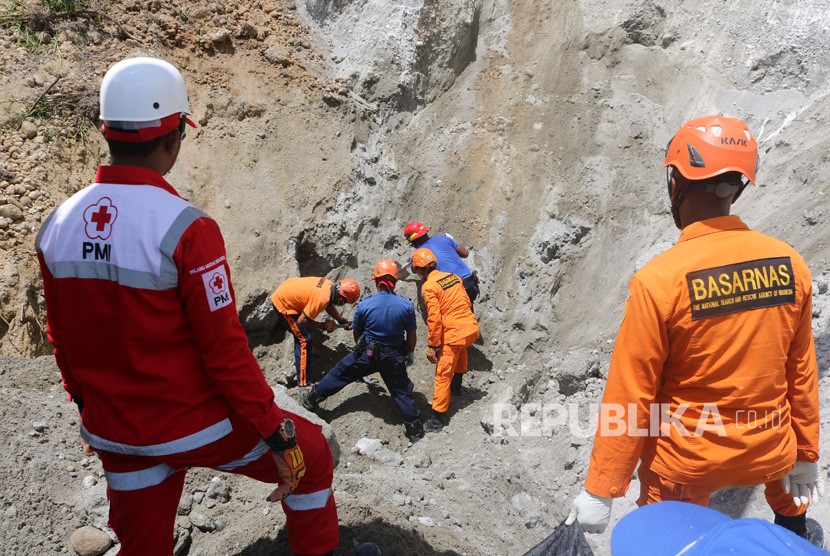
x=298 y=302
x=452 y=329
x=713 y=379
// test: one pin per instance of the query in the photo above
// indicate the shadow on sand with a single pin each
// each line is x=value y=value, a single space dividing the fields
x=393 y=541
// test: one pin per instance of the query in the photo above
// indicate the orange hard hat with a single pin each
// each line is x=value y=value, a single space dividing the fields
x=713 y=145
x=414 y=230
x=386 y=267
x=349 y=289
x=423 y=257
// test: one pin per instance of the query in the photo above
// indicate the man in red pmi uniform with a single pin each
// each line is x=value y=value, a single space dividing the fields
x=141 y=313
x=713 y=380
x=298 y=301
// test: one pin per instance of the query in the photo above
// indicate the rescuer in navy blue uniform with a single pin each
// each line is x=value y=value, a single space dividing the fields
x=384 y=331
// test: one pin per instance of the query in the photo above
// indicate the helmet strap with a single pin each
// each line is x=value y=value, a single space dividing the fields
x=740 y=190
x=676 y=198
x=336 y=295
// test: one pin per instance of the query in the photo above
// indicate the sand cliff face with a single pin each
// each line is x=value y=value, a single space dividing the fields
x=532 y=131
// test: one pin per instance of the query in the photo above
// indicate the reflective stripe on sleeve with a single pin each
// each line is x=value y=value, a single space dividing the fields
x=312 y=501
x=191 y=442
x=253 y=455
x=135 y=480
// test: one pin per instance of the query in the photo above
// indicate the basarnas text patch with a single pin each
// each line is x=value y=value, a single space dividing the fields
x=741 y=287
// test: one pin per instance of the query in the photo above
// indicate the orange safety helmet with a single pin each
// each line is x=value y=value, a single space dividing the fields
x=349 y=289
x=385 y=267
x=414 y=230
x=713 y=145
x=423 y=257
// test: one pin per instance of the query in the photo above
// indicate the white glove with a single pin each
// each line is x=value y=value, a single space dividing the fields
x=805 y=482
x=593 y=512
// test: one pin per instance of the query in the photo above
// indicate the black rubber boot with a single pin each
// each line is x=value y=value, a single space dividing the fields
x=796 y=523
x=414 y=430
x=814 y=534
x=436 y=423
x=455 y=385
x=311 y=400
x=802 y=526
x=365 y=549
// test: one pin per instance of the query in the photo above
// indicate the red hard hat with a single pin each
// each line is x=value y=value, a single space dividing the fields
x=385 y=267
x=713 y=145
x=414 y=230
x=349 y=289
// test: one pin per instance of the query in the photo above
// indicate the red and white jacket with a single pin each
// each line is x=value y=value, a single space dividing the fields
x=141 y=313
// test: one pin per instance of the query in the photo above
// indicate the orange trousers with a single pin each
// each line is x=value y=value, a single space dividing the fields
x=654 y=488
x=302 y=338
x=452 y=359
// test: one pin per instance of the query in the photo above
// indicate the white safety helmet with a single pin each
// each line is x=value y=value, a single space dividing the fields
x=142 y=90
x=141 y=99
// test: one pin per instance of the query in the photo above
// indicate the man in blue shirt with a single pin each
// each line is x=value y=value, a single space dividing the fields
x=384 y=331
x=448 y=255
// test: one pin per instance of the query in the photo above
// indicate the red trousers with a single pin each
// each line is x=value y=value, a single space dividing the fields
x=654 y=488
x=144 y=491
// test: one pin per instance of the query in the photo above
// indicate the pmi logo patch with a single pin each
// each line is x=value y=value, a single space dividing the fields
x=741 y=287
x=217 y=288
x=99 y=219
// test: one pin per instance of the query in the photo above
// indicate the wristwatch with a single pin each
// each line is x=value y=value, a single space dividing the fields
x=284 y=438
x=286 y=430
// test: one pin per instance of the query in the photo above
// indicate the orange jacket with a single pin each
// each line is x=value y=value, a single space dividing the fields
x=450 y=318
x=310 y=295
x=721 y=322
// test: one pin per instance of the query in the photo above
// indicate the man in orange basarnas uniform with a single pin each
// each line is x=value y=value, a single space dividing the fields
x=298 y=302
x=717 y=331
x=452 y=329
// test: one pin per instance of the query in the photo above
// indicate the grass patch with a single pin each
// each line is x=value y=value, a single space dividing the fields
x=51 y=107
x=83 y=129
x=27 y=38
x=63 y=115
x=54 y=48
x=13 y=11
x=65 y=6
x=33 y=25
x=59 y=114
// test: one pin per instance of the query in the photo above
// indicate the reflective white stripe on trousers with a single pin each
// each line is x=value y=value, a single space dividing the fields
x=135 y=480
x=191 y=442
x=152 y=476
x=253 y=455
x=311 y=501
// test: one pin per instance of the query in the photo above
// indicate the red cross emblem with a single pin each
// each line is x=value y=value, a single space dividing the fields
x=217 y=283
x=99 y=219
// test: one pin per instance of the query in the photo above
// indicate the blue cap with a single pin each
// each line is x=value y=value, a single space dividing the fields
x=674 y=528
